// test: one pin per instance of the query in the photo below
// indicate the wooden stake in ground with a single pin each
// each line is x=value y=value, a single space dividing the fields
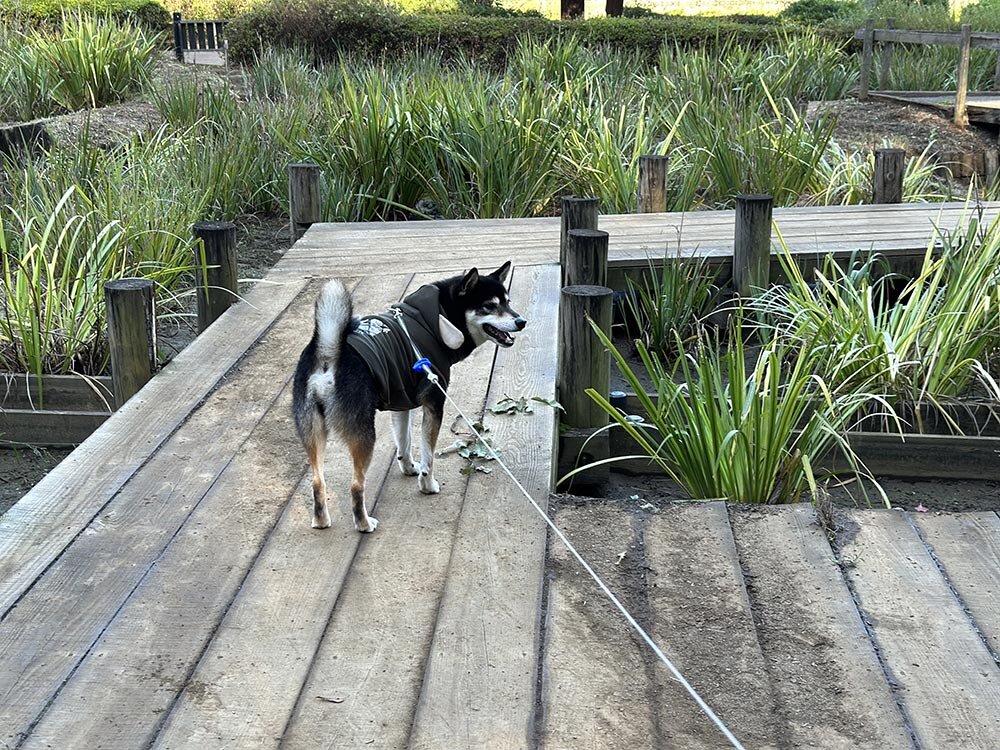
x=752 y=245
x=215 y=269
x=575 y=213
x=867 y=50
x=303 y=197
x=652 y=196
x=883 y=76
x=890 y=169
x=961 y=95
x=586 y=258
x=129 y=306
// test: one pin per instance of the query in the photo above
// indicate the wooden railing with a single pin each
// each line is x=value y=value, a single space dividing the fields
x=198 y=36
x=965 y=39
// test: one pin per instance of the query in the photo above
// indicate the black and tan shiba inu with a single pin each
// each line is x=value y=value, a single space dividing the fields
x=354 y=367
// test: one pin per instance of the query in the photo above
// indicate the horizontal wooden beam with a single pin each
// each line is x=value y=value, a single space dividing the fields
x=980 y=40
x=66 y=392
x=48 y=428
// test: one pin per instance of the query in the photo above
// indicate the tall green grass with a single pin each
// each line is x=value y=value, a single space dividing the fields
x=85 y=62
x=724 y=430
x=930 y=345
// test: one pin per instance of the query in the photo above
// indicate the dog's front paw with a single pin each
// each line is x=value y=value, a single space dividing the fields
x=428 y=484
x=407 y=466
x=372 y=523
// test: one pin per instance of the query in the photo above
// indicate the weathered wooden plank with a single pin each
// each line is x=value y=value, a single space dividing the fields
x=967 y=546
x=667 y=234
x=72 y=392
x=374 y=650
x=596 y=689
x=949 y=685
x=830 y=689
x=49 y=427
x=36 y=530
x=701 y=617
x=282 y=608
x=143 y=658
x=52 y=627
x=482 y=662
x=980 y=39
x=619 y=221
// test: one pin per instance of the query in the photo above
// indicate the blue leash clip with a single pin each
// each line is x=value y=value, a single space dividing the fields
x=422 y=365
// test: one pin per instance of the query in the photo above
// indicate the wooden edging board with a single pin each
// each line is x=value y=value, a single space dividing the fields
x=884 y=454
x=53 y=410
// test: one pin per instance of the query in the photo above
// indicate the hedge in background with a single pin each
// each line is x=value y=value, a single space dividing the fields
x=147 y=12
x=329 y=27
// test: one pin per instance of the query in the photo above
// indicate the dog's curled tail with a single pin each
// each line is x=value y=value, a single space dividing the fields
x=333 y=314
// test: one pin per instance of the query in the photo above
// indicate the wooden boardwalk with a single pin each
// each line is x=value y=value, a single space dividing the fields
x=162 y=588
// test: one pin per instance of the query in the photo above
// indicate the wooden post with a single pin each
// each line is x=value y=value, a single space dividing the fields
x=961 y=95
x=303 y=197
x=653 y=184
x=883 y=75
x=131 y=318
x=996 y=74
x=890 y=168
x=215 y=269
x=575 y=213
x=584 y=363
x=586 y=258
x=866 y=59
x=991 y=166
x=752 y=247
x=178 y=45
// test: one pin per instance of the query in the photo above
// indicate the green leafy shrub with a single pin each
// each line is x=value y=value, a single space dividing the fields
x=149 y=13
x=328 y=28
x=816 y=11
x=85 y=62
x=925 y=347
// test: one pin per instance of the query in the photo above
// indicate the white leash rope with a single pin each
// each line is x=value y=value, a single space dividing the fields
x=424 y=364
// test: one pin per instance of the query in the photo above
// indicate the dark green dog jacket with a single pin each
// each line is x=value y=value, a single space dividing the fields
x=387 y=351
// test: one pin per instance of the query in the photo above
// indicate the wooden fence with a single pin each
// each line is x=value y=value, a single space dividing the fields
x=966 y=40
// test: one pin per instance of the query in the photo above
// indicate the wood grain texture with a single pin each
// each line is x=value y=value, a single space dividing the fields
x=243 y=690
x=701 y=617
x=478 y=687
x=967 y=545
x=375 y=648
x=949 y=684
x=145 y=655
x=56 y=622
x=830 y=689
x=37 y=529
x=596 y=691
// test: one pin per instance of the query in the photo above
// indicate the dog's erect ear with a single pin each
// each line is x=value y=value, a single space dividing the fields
x=501 y=273
x=450 y=335
x=469 y=281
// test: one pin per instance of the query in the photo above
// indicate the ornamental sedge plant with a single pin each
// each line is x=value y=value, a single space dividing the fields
x=723 y=430
x=930 y=346
x=665 y=305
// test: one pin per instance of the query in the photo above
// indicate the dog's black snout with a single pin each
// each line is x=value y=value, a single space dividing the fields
x=520 y=323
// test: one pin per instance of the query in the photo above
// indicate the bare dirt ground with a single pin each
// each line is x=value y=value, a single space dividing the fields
x=649 y=493
x=21 y=469
x=864 y=126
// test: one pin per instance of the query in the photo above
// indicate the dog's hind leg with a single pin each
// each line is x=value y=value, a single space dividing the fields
x=429 y=429
x=361 y=447
x=315 y=441
x=401 y=432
